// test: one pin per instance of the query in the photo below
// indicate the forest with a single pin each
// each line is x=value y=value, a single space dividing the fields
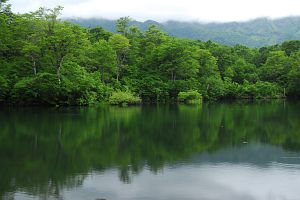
x=45 y=60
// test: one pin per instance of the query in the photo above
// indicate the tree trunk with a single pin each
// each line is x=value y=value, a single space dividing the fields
x=102 y=75
x=118 y=76
x=120 y=61
x=33 y=65
x=34 y=69
x=58 y=69
x=58 y=74
x=207 y=87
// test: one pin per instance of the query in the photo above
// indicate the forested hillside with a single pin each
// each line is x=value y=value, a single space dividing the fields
x=255 y=33
x=44 y=60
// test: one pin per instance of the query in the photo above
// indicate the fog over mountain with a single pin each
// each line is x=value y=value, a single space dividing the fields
x=254 y=33
x=161 y=11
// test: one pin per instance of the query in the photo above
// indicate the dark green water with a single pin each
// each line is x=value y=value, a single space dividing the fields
x=228 y=151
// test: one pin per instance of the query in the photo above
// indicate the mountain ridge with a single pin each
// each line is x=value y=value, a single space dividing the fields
x=254 y=33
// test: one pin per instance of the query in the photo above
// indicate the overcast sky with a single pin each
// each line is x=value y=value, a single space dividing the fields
x=162 y=10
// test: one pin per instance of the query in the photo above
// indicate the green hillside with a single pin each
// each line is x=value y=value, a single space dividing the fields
x=255 y=33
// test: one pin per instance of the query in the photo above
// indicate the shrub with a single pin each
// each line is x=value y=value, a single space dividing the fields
x=191 y=96
x=123 y=98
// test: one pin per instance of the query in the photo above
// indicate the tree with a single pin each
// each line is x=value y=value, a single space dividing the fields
x=62 y=38
x=210 y=82
x=242 y=71
x=225 y=56
x=276 y=68
x=104 y=59
x=6 y=17
x=177 y=60
x=4 y=89
x=98 y=33
x=33 y=52
x=245 y=52
x=135 y=55
x=294 y=75
x=4 y=8
x=79 y=86
x=122 y=25
x=290 y=47
x=154 y=37
x=208 y=64
x=62 y=43
x=35 y=37
x=121 y=46
x=40 y=89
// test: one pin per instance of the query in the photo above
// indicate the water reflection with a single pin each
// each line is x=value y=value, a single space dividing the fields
x=224 y=181
x=232 y=148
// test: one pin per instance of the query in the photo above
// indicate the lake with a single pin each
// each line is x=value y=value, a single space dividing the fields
x=212 y=151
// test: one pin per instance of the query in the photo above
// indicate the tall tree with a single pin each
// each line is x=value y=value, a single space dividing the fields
x=121 y=46
x=35 y=38
x=122 y=25
x=104 y=59
x=63 y=39
x=177 y=60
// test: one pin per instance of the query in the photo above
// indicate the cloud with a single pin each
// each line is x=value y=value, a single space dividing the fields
x=162 y=10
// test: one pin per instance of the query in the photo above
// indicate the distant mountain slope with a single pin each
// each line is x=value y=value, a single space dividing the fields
x=255 y=33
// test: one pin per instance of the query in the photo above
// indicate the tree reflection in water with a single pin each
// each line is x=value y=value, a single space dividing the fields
x=44 y=151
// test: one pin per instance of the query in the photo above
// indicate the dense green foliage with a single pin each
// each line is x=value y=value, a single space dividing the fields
x=45 y=60
x=123 y=98
x=190 y=96
x=255 y=33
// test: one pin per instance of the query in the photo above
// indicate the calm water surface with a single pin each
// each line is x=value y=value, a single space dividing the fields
x=219 y=151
